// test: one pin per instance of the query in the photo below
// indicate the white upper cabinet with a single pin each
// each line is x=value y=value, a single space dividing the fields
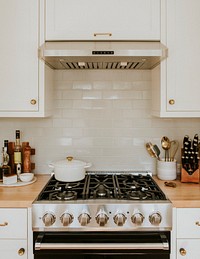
x=22 y=83
x=102 y=20
x=176 y=93
x=18 y=47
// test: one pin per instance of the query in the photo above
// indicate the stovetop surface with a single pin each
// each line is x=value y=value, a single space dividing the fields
x=104 y=185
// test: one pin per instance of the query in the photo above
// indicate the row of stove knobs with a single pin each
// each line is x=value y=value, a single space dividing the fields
x=101 y=218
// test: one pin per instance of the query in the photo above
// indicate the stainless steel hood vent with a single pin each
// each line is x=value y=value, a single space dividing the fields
x=102 y=55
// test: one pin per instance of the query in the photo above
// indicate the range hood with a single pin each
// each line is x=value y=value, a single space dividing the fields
x=102 y=55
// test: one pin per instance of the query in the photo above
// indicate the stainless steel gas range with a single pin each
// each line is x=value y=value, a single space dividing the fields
x=107 y=214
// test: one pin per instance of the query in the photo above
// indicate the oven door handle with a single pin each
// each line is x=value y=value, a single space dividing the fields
x=164 y=245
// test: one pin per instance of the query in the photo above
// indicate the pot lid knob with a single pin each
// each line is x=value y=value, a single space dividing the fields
x=69 y=158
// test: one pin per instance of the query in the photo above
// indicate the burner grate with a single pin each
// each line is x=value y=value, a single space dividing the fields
x=118 y=186
x=101 y=186
x=57 y=190
x=139 y=187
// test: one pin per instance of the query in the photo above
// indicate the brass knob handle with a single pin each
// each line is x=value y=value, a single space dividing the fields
x=171 y=101
x=197 y=223
x=21 y=251
x=182 y=251
x=33 y=101
x=70 y=158
x=4 y=224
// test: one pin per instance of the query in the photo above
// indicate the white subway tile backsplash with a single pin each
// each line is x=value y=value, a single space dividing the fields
x=101 y=117
x=62 y=123
x=122 y=86
x=102 y=85
x=73 y=132
x=82 y=104
x=72 y=94
x=92 y=95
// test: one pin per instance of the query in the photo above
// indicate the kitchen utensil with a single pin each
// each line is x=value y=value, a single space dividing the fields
x=150 y=149
x=166 y=144
x=69 y=170
x=173 y=149
x=170 y=184
x=157 y=151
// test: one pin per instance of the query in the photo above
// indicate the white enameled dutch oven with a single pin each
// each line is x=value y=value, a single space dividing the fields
x=69 y=170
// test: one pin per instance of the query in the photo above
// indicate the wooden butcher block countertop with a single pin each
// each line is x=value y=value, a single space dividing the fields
x=22 y=196
x=184 y=195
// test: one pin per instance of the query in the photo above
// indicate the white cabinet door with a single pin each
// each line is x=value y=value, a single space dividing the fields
x=19 y=58
x=177 y=93
x=188 y=249
x=13 y=223
x=188 y=223
x=102 y=20
x=188 y=233
x=183 y=41
x=13 y=233
x=13 y=249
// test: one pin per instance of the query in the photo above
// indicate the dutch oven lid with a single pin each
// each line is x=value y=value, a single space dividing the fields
x=70 y=162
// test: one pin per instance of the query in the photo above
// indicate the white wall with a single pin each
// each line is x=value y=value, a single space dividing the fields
x=100 y=116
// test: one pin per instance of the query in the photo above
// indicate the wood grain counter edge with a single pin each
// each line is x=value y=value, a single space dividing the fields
x=22 y=196
x=184 y=195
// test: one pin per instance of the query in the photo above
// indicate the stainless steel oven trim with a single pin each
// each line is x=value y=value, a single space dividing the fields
x=102 y=246
x=164 y=245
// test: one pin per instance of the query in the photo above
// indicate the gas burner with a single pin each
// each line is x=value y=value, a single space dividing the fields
x=134 y=188
x=72 y=185
x=101 y=191
x=137 y=195
x=133 y=184
x=66 y=195
x=101 y=186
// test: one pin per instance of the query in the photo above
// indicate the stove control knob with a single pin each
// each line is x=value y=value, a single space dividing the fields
x=48 y=219
x=66 y=219
x=84 y=219
x=155 y=218
x=119 y=219
x=137 y=218
x=102 y=218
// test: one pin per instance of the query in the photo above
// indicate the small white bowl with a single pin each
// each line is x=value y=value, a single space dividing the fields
x=26 y=177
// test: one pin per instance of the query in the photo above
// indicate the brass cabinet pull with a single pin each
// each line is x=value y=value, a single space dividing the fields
x=171 y=101
x=21 y=251
x=197 y=223
x=103 y=34
x=182 y=251
x=4 y=224
x=33 y=101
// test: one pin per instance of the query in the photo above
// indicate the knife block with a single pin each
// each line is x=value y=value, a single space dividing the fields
x=186 y=178
x=190 y=178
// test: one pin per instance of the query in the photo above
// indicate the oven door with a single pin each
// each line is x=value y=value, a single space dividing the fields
x=97 y=245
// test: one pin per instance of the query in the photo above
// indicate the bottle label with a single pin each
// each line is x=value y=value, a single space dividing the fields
x=17 y=157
